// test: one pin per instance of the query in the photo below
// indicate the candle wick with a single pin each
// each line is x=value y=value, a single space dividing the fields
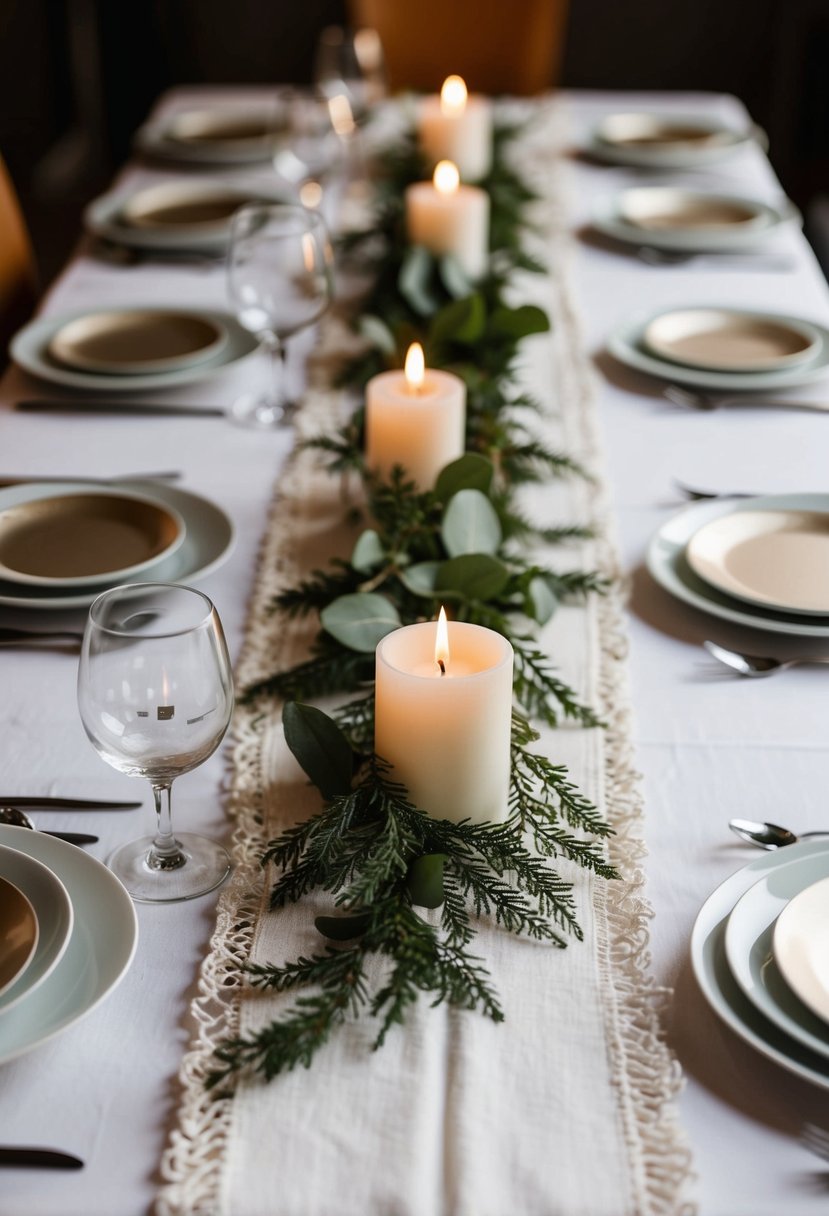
x=442 y=667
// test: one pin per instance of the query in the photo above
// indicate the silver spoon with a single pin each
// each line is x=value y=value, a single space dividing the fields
x=730 y=260
x=713 y=401
x=768 y=835
x=754 y=665
x=19 y=819
x=697 y=495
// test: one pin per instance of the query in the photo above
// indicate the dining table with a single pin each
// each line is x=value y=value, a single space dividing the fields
x=702 y=743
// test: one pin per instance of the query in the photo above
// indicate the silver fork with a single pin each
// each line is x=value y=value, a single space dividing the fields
x=714 y=261
x=713 y=401
x=816 y=1139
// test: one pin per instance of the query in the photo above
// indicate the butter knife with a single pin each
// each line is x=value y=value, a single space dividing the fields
x=67 y=804
x=39 y=1157
x=119 y=407
x=26 y=479
x=72 y=837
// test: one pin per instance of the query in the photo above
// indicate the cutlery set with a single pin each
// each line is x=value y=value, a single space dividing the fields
x=12 y=812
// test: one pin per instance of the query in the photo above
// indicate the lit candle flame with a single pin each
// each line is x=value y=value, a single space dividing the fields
x=310 y=195
x=342 y=116
x=415 y=368
x=442 y=642
x=446 y=177
x=309 y=253
x=453 y=96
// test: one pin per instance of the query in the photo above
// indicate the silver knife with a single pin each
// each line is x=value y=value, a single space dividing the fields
x=119 y=407
x=26 y=479
x=37 y=1157
x=72 y=837
x=67 y=804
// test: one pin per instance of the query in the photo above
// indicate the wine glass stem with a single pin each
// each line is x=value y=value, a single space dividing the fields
x=166 y=852
x=276 y=350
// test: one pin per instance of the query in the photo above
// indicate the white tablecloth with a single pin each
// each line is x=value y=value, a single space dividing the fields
x=709 y=747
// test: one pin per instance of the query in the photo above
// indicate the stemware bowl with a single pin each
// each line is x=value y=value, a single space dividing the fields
x=280 y=282
x=155 y=694
x=351 y=63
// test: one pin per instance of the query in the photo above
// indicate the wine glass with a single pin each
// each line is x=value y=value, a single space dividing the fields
x=155 y=693
x=279 y=280
x=351 y=63
x=311 y=142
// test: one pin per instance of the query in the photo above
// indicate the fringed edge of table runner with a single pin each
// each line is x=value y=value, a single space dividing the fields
x=645 y=1073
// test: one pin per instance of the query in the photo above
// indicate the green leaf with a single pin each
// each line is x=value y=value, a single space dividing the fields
x=368 y=552
x=542 y=600
x=454 y=277
x=469 y=472
x=425 y=880
x=470 y=524
x=320 y=747
x=360 y=620
x=342 y=928
x=518 y=323
x=414 y=280
x=475 y=576
x=420 y=578
x=461 y=321
x=377 y=332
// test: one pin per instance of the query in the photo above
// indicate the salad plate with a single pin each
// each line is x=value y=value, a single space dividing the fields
x=53 y=909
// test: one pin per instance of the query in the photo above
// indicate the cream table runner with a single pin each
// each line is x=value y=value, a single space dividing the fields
x=567 y=1108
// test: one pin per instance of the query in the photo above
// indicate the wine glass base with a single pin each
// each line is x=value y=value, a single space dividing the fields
x=260 y=412
x=207 y=865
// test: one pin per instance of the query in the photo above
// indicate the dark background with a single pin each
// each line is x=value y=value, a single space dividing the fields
x=78 y=76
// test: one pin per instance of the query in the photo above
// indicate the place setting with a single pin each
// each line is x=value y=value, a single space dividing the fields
x=760 y=953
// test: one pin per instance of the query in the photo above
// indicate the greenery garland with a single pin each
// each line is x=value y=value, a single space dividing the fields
x=460 y=543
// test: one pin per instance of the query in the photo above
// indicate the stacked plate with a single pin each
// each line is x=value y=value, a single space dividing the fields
x=762 y=561
x=62 y=543
x=184 y=214
x=760 y=952
x=126 y=350
x=68 y=933
x=729 y=350
x=666 y=141
x=225 y=136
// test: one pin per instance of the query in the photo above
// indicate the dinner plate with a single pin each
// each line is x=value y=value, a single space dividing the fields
x=626 y=345
x=748 y=946
x=667 y=563
x=132 y=341
x=212 y=136
x=730 y=340
x=665 y=141
x=30 y=350
x=778 y=558
x=53 y=909
x=801 y=946
x=721 y=990
x=85 y=537
x=180 y=214
x=18 y=933
x=101 y=946
x=666 y=217
x=208 y=542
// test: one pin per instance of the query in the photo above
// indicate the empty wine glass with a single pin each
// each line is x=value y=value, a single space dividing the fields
x=155 y=693
x=311 y=143
x=279 y=280
x=351 y=63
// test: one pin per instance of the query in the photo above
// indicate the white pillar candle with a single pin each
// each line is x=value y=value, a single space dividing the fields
x=415 y=418
x=447 y=217
x=447 y=736
x=457 y=127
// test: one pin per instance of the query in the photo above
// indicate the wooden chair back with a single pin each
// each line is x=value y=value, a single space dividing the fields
x=18 y=276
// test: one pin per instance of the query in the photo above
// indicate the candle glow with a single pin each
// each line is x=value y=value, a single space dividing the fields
x=453 y=96
x=442 y=642
x=415 y=368
x=446 y=178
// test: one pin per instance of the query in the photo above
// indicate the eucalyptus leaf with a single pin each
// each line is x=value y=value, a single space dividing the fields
x=377 y=332
x=519 y=322
x=454 y=277
x=542 y=599
x=420 y=578
x=469 y=472
x=342 y=928
x=360 y=620
x=425 y=880
x=414 y=281
x=475 y=576
x=319 y=746
x=368 y=552
x=460 y=321
x=470 y=524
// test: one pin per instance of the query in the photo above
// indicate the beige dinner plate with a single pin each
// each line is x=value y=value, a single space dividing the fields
x=775 y=558
x=221 y=128
x=194 y=206
x=84 y=538
x=18 y=933
x=726 y=340
x=137 y=341
x=801 y=946
x=634 y=130
x=664 y=208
